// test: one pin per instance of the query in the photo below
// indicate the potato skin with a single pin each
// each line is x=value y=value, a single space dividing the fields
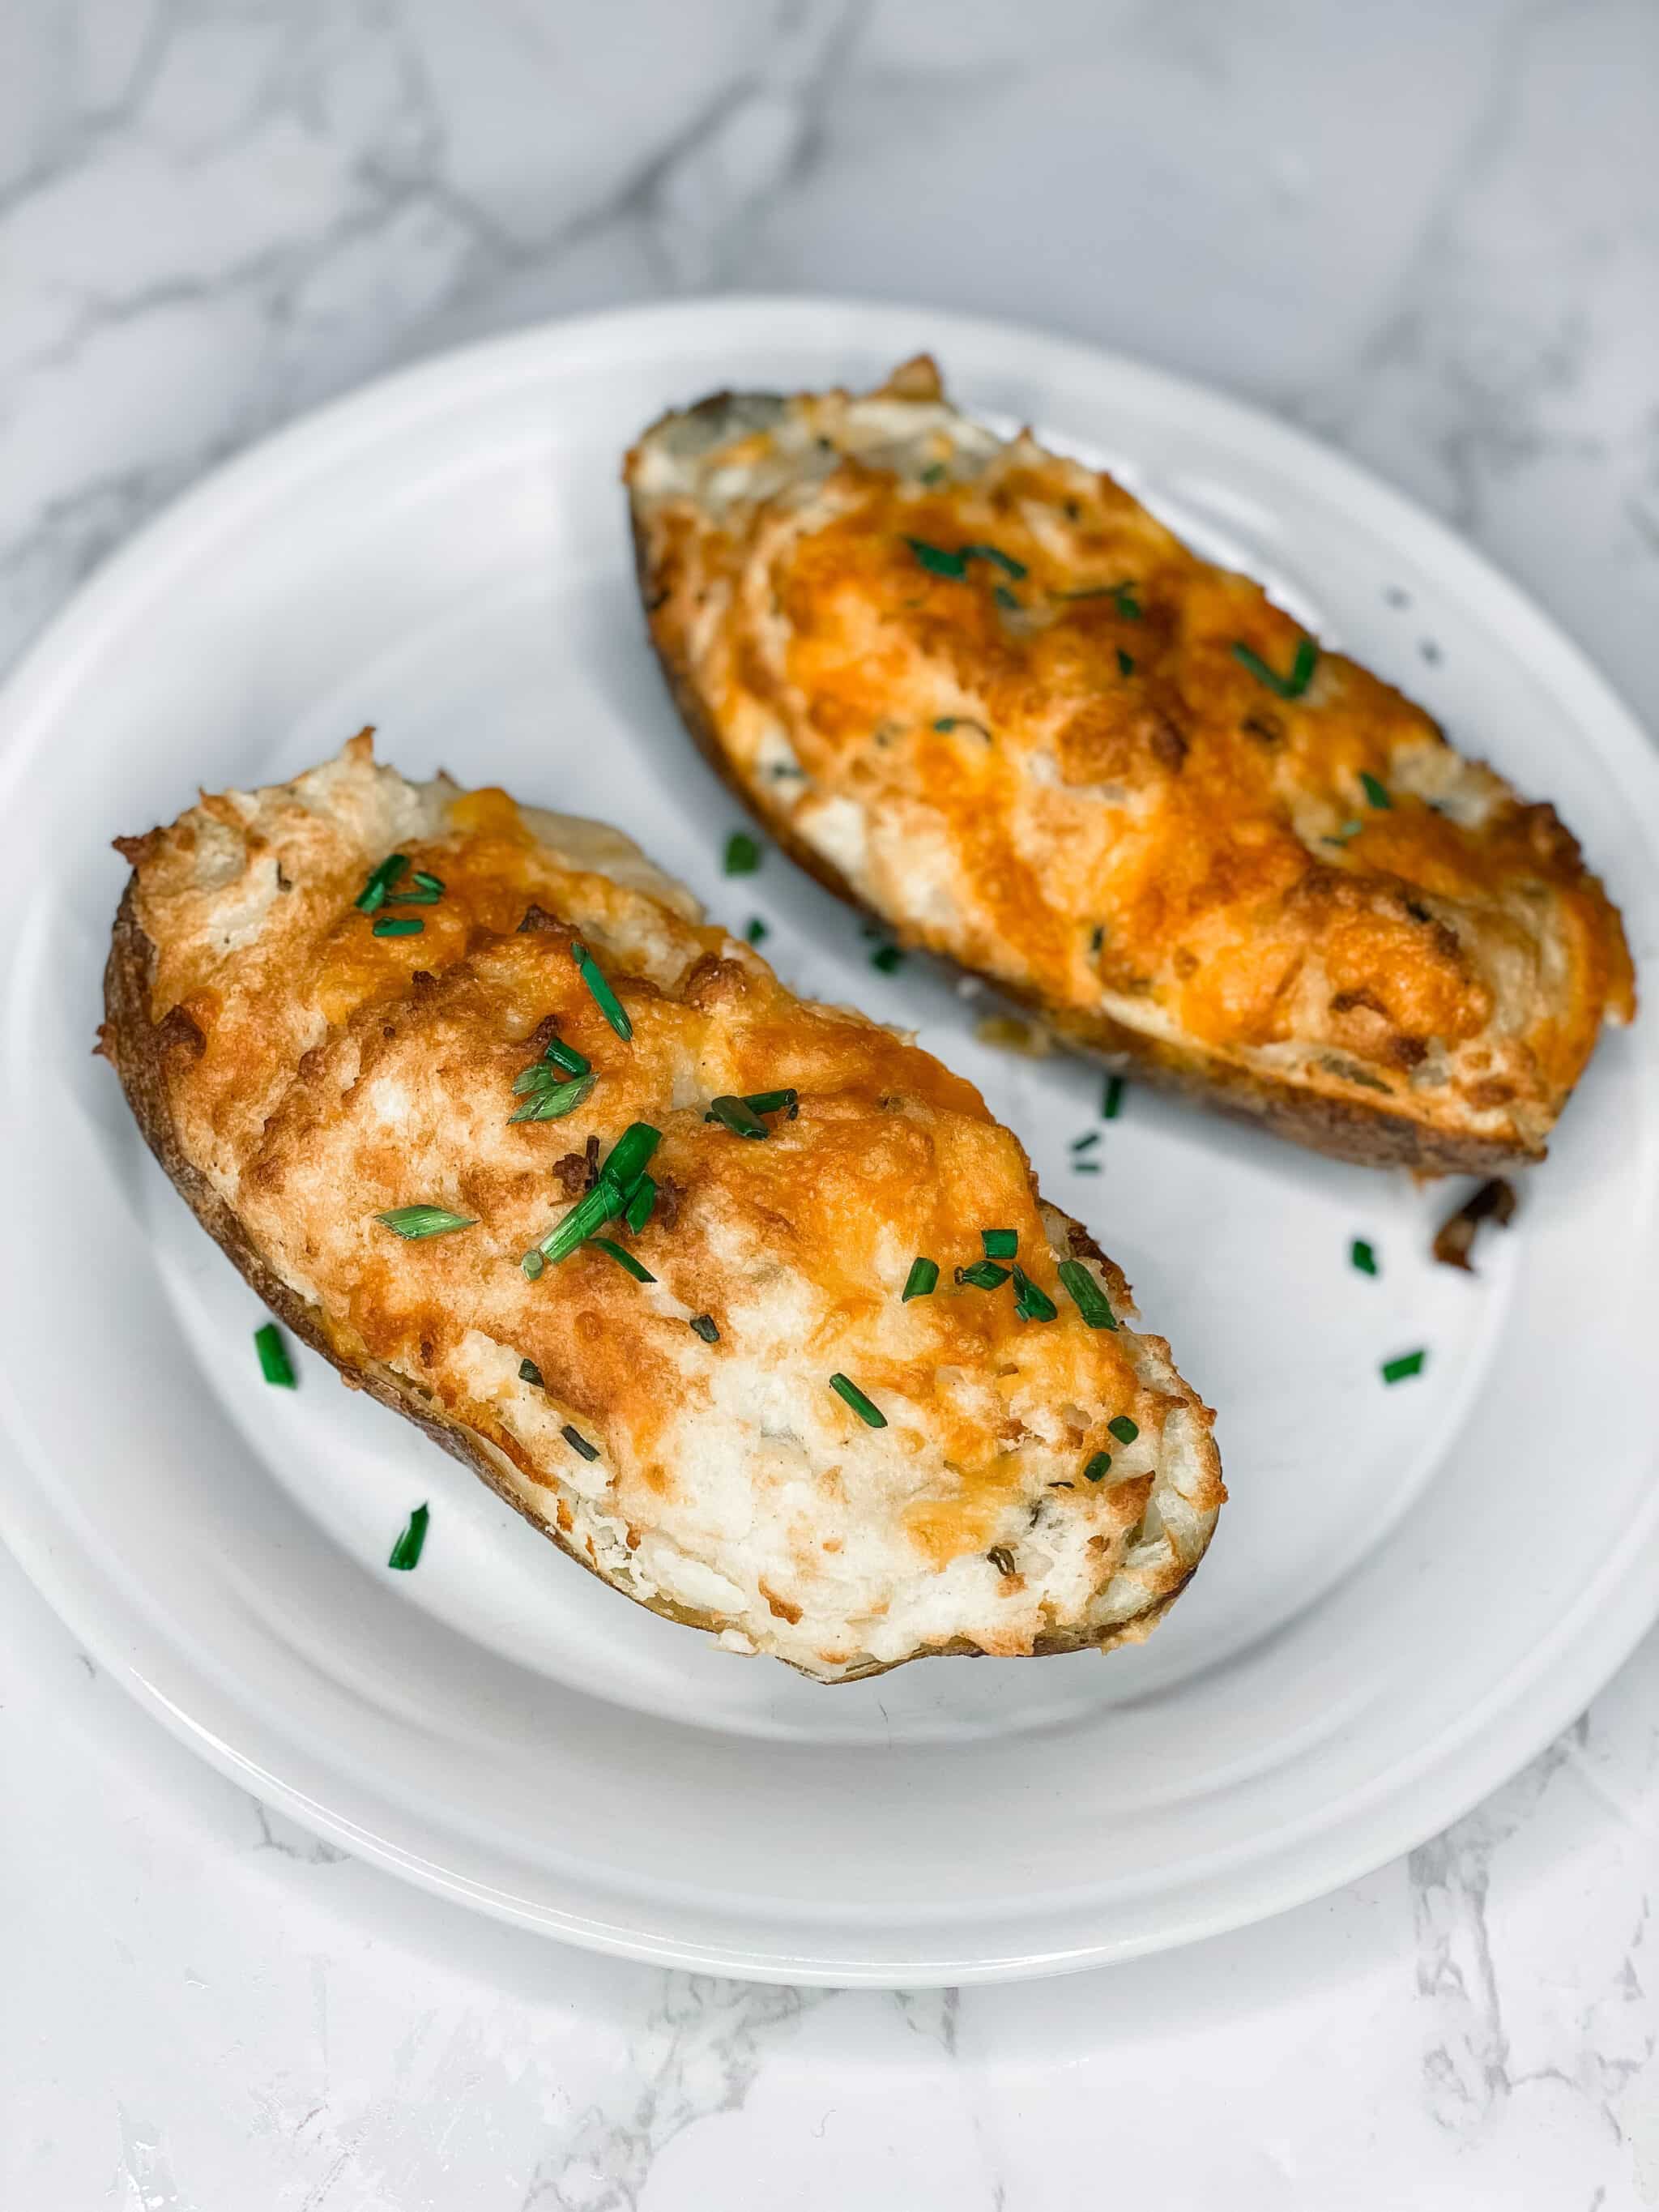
x=677 y=564
x=152 y=1056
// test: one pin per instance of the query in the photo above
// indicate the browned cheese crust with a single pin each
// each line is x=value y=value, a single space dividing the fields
x=1042 y=756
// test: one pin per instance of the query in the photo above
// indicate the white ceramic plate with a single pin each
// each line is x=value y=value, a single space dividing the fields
x=1412 y=1589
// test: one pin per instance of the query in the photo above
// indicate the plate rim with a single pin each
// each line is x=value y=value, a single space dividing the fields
x=1589 y=1641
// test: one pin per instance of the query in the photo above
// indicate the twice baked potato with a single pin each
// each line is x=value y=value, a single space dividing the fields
x=490 y=1117
x=980 y=691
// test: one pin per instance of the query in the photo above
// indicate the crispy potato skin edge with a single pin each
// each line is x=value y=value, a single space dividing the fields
x=138 y=1047
x=1367 y=1136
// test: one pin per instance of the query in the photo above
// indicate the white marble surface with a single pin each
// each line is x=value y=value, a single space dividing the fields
x=1431 y=232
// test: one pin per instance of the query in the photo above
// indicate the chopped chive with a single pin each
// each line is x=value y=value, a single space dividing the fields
x=1111 y=1098
x=533 y=1263
x=604 y=997
x=774 y=1102
x=1282 y=687
x=529 y=1372
x=406 y=1551
x=1086 y=1167
x=433 y=883
x=1360 y=1253
x=755 y=930
x=397 y=925
x=742 y=854
x=999 y=1244
x=1122 y=596
x=936 y=559
x=1376 y=793
x=933 y=473
x=623 y=1258
x=1123 y=1428
x=1099 y=1468
x=1086 y=1294
x=703 y=1324
x=578 y=1442
x=641 y=1199
x=1348 y=829
x=1031 y=1302
x=999 y=559
x=738 y=1116
x=983 y=1275
x=560 y=1055
x=381 y=881
x=415 y=898
x=889 y=959
x=412 y=1221
x=921 y=1280
x=1086 y=1141
x=1005 y=598
x=872 y=1416
x=1126 y=662
x=607 y=1199
x=1408 y=1363
x=274 y=1362
x=553 y=1103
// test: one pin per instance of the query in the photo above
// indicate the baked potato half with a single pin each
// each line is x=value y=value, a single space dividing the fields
x=493 y=1121
x=978 y=691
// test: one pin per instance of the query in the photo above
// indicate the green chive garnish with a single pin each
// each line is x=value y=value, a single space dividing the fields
x=560 y=1055
x=1086 y=1141
x=742 y=854
x=936 y=559
x=623 y=1258
x=1086 y=1167
x=433 y=883
x=397 y=925
x=1099 y=1467
x=413 y=1221
x=416 y=897
x=533 y=1263
x=1123 y=1428
x=554 y=1102
x=983 y=1275
x=1111 y=1098
x=406 y=1551
x=1360 y=1253
x=381 y=881
x=1031 y=1303
x=1085 y=1294
x=1122 y=596
x=933 y=473
x=738 y=1116
x=1126 y=662
x=641 y=1199
x=604 y=997
x=757 y=931
x=774 y=1102
x=704 y=1326
x=274 y=1362
x=578 y=1442
x=1409 y=1363
x=995 y=554
x=889 y=959
x=1005 y=598
x=1348 y=829
x=529 y=1372
x=999 y=1244
x=607 y=1199
x=872 y=1416
x=921 y=1280
x=1376 y=792
x=1282 y=687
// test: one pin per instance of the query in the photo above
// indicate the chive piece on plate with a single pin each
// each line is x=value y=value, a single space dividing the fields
x=1086 y=1142
x=623 y=1258
x=1408 y=1363
x=604 y=997
x=397 y=925
x=529 y=1372
x=1363 y=1257
x=1086 y=1294
x=889 y=959
x=1111 y=1098
x=381 y=881
x=755 y=930
x=412 y=1221
x=738 y=1116
x=1282 y=687
x=1099 y=1467
x=983 y=1275
x=274 y=1362
x=1376 y=793
x=999 y=1244
x=704 y=1325
x=1031 y=1302
x=936 y=559
x=555 y=1101
x=872 y=1416
x=406 y=1551
x=1123 y=1428
x=742 y=854
x=921 y=1280
x=578 y=1442
x=1086 y=1167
